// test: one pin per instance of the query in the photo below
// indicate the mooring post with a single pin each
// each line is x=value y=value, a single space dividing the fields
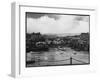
x=70 y=60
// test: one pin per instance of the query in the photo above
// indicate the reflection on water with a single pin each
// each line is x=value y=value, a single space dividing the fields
x=57 y=56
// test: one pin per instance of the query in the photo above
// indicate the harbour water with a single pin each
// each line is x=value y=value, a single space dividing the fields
x=57 y=56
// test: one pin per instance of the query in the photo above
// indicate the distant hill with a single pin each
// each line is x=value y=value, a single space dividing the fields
x=61 y=35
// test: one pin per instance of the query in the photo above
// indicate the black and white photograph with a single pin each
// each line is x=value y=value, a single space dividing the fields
x=57 y=39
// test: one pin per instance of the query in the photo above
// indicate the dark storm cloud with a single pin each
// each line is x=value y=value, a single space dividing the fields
x=79 y=18
x=39 y=15
x=35 y=15
x=54 y=16
x=82 y=18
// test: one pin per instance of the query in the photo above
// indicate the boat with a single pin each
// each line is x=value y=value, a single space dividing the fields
x=62 y=49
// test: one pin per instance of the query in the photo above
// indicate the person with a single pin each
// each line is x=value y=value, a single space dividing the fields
x=74 y=53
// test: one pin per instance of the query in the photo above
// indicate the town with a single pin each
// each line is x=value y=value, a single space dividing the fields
x=40 y=42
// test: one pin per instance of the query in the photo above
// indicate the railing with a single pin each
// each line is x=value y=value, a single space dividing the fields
x=70 y=59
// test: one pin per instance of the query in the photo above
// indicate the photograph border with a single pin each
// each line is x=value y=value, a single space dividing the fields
x=55 y=14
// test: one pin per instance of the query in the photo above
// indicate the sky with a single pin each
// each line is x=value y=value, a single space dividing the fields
x=57 y=23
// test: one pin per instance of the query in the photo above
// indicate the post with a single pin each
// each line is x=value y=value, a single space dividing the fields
x=70 y=60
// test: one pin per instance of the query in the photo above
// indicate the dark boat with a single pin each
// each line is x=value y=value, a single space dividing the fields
x=41 y=46
x=40 y=49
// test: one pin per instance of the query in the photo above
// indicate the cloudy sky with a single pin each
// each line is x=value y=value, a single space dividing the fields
x=56 y=23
